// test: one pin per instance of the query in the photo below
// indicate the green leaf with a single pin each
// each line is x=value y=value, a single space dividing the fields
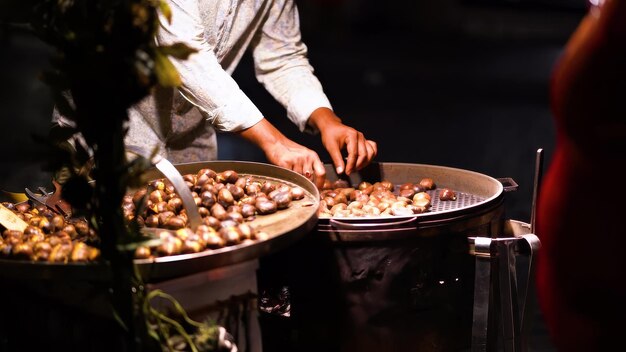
x=177 y=50
x=165 y=71
x=165 y=10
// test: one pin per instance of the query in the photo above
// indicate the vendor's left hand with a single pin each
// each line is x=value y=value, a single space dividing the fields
x=336 y=136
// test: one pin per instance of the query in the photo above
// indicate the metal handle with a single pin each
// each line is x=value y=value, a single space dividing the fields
x=508 y=184
x=528 y=297
x=378 y=225
x=171 y=173
x=536 y=187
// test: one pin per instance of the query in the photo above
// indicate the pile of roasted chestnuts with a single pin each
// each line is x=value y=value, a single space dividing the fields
x=383 y=198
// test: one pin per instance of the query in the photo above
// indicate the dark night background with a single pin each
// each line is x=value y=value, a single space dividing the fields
x=459 y=83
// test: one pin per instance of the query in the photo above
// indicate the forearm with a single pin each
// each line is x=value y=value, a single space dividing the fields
x=322 y=118
x=264 y=135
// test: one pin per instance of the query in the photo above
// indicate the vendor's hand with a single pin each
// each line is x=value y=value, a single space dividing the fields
x=336 y=136
x=298 y=158
x=282 y=151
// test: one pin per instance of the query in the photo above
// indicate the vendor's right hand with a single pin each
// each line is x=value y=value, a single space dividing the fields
x=298 y=158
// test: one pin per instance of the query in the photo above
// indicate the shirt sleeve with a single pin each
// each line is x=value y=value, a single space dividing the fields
x=204 y=82
x=282 y=66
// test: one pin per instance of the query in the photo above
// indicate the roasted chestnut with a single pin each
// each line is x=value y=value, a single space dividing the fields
x=447 y=194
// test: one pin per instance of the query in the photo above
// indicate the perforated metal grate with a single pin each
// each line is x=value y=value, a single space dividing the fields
x=463 y=200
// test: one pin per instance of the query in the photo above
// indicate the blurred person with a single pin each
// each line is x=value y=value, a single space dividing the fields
x=182 y=122
x=581 y=277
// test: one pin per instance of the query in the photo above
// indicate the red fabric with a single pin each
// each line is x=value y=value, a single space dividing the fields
x=581 y=221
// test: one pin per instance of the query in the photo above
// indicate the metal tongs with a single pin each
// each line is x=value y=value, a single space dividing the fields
x=52 y=200
x=513 y=305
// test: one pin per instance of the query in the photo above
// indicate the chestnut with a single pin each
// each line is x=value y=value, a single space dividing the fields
x=225 y=197
x=282 y=199
x=407 y=192
x=248 y=210
x=230 y=235
x=228 y=176
x=268 y=187
x=22 y=207
x=191 y=246
x=190 y=178
x=242 y=182
x=422 y=199
x=253 y=188
x=218 y=212
x=164 y=216
x=447 y=194
x=204 y=212
x=208 y=172
x=212 y=222
x=427 y=183
x=80 y=253
x=266 y=206
x=297 y=193
x=81 y=227
x=142 y=252
x=207 y=199
x=22 y=250
x=175 y=204
x=60 y=252
x=341 y=184
x=213 y=241
x=236 y=191
x=152 y=221
x=174 y=223
x=237 y=217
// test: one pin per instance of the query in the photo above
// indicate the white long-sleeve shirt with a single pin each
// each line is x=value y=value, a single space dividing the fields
x=221 y=31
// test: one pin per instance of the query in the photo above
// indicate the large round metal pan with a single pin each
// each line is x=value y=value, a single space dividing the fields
x=283 y=228
x=479 y=199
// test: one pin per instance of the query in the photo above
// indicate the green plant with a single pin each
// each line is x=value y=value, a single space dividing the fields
x=106 y=60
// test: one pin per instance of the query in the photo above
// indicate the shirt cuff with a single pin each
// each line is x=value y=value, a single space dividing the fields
x=301 y=106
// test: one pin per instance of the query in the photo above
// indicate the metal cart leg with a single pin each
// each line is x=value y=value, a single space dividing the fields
x=514 y=309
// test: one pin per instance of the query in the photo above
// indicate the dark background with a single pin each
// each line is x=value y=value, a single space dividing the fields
x=448 y=82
